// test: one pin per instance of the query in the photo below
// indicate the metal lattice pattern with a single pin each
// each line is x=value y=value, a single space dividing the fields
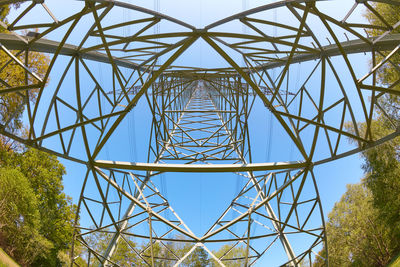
x=200 y=118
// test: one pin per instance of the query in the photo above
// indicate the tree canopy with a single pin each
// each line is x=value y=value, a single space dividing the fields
x=133 y=251
x=37 y=217
x=41 y=176
x=356 y=236
x=20 y=218
x=364 y=226
x=236 y=253
x=381 y=164
x=12 y=105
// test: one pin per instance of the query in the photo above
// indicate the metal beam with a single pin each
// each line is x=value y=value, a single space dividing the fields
x=12 y=42
x=140 y=166
x=389 y=42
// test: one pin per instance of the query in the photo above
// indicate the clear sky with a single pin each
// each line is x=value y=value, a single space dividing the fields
x=200 y=198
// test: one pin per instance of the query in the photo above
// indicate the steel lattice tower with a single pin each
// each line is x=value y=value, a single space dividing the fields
x=200 y=118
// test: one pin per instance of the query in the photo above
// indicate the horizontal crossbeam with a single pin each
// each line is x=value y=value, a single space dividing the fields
x=389 y=42
x=200 y=167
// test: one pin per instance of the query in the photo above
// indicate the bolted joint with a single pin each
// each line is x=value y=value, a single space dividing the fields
x=268 y=106
x=310 y=166
x=200 y=30
x=89 y=3
x=130 y=107
x=311 y=3
x=90 y=164
x=250 y=211
x=33 y=144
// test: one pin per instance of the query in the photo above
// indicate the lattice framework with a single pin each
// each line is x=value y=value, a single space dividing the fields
x=200 y=118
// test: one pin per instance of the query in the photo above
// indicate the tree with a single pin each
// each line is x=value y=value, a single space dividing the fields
x=130 y=252
x=391 y=14
x=5 y=10
x=320 y=259
x=382 y=169
x=123 y=255
x=364 y=227
x=12 y=105
x=232 y=257
x=356 y=236
x=198 y=258
x=20 y=218
x=55 y=208
x=381 y=164
x=44 y=174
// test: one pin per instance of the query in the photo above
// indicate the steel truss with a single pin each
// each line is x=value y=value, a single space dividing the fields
x=199 y=119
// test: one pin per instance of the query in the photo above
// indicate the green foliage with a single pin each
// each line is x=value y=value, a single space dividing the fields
x=46 y=230
x=12 y=104
x=381 y=164
x=54 y=208
x=356 y=235
x=198 y=258
x=364 y=227
x=320 y=260
x=12 y=75
x=125 y=255
x=382 y=169
x=388 y=74
x=20 y=218
x=391 y=13
x=237 y=254
x=5 y=10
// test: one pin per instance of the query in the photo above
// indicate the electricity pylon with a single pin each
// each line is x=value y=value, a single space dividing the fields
x=200 y=119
